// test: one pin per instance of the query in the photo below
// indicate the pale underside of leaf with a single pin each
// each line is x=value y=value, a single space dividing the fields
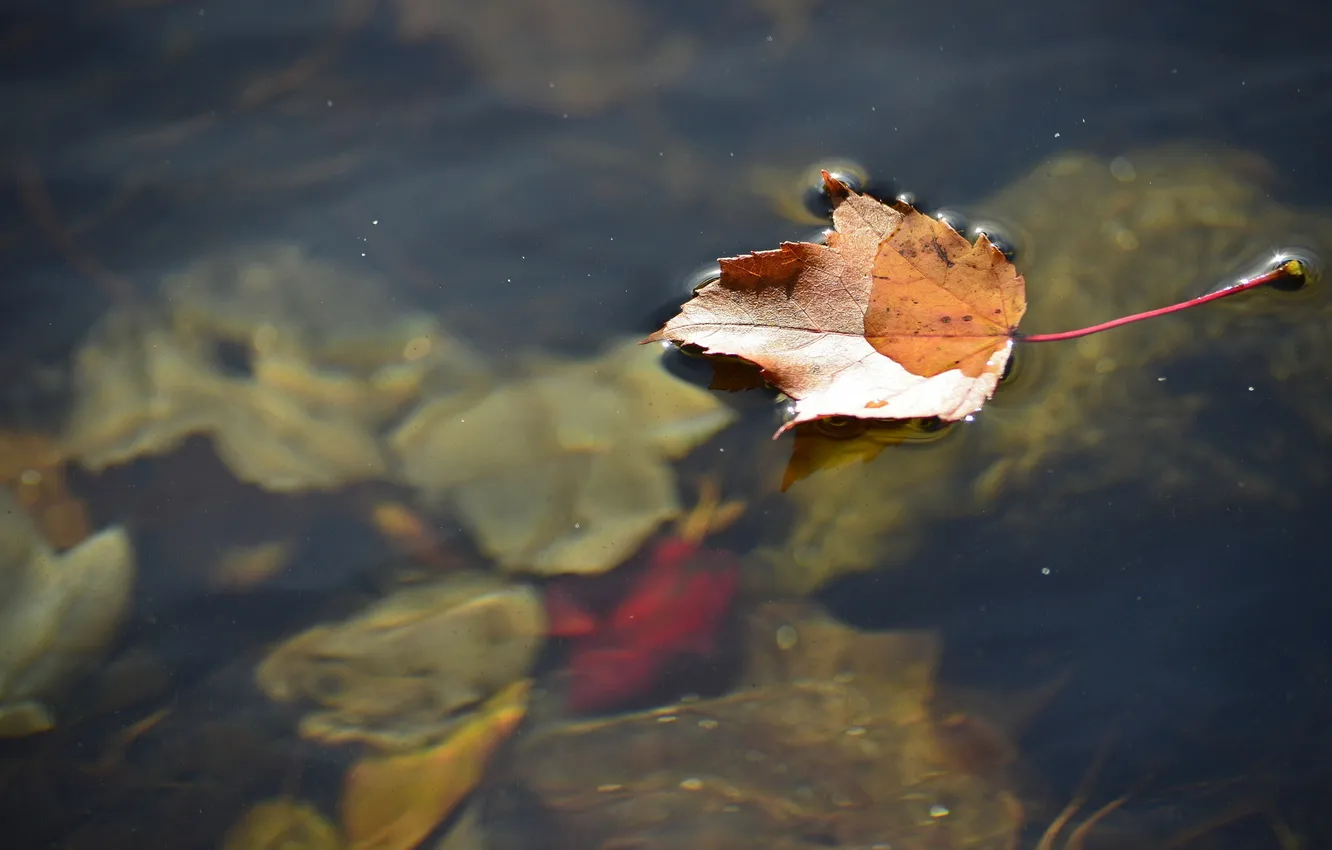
x=833 y=374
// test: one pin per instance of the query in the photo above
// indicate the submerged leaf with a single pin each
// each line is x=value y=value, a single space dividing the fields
x=394 y=802
x=282 y=825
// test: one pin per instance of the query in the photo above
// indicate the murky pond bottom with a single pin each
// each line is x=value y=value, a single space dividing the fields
x=342 y=509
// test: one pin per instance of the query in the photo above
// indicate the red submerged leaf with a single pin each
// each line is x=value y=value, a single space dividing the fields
x=565 y=616
x=673 y=608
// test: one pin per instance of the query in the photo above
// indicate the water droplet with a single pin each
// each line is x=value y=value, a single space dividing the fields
x=953 y=218
x=815 y=198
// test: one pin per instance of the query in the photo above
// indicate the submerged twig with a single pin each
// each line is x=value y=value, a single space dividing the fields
x=41 y=206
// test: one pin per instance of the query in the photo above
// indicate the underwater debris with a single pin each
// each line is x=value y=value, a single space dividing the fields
x=674 y=606
x=566 y=471
x=827 y=741
x=140 y=390
x=400 y=674
x=32 y=465
x=282 y=825
x=288 y=364
x=393 y=802
x=58 y=612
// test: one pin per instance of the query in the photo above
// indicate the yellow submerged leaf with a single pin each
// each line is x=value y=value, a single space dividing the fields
x=282 y=825
x=394 y=802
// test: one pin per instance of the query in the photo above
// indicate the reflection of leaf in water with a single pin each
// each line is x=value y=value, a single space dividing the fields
x=394 y=802
x=841 y=440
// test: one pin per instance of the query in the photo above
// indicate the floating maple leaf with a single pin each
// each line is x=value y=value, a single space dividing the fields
x=896 y=317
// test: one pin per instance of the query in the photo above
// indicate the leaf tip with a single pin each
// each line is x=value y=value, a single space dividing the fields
x=790 y=424
x=836 y=189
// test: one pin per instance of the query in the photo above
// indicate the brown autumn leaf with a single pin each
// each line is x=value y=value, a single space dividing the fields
x=896 y=317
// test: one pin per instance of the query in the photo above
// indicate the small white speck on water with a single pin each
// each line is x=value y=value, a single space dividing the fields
x=1045 y=571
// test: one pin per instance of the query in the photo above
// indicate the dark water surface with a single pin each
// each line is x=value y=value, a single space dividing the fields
x=544 y=178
